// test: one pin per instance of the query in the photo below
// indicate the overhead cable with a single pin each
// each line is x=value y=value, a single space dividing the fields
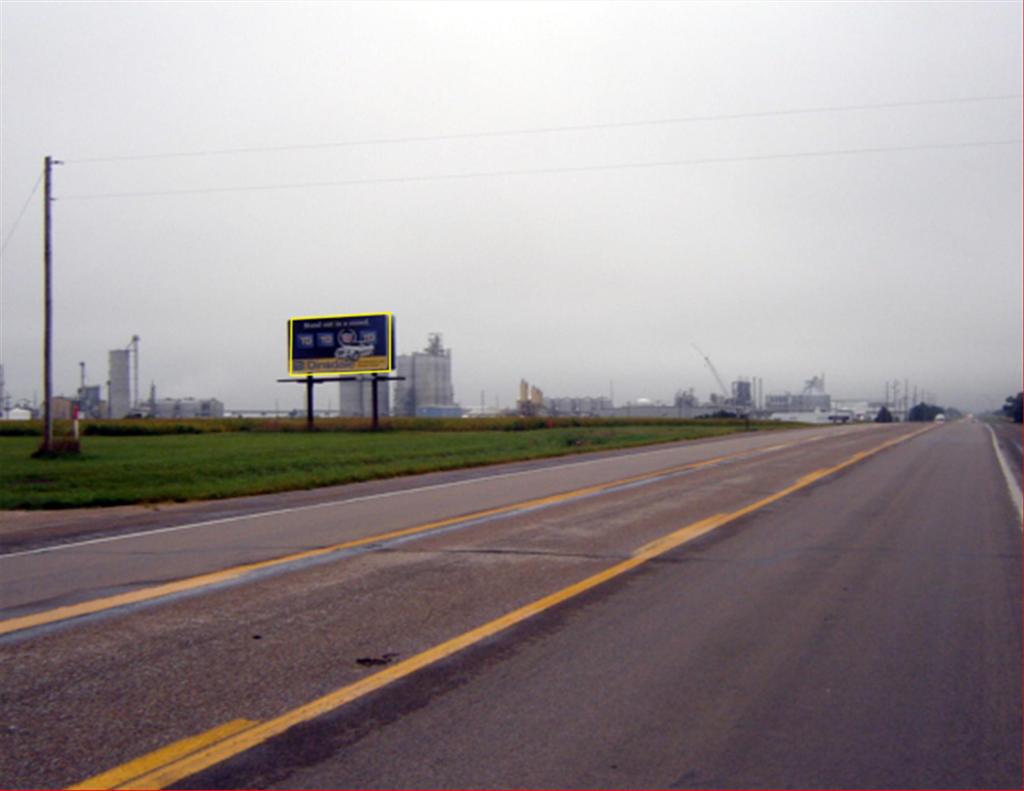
x=545 y=171
x=549 y=129
x=22 y=212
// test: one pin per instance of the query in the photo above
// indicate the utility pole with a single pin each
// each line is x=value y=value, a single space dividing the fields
x=47 y=446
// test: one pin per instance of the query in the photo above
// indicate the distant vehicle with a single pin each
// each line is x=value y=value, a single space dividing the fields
x=354 y=351
x=940 y=418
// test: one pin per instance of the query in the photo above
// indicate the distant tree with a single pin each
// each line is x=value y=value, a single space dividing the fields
x=883 y=416
x=1014 y=408
x=924 y=413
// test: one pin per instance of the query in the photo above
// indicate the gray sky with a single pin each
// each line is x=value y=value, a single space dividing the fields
x=867 y=266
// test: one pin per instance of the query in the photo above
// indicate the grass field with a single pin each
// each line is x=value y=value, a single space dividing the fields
x=178 y=466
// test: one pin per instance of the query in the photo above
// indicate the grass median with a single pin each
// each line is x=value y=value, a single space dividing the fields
x=177 y=467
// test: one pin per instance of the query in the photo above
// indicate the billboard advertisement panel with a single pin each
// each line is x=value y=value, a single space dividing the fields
x=361 y=343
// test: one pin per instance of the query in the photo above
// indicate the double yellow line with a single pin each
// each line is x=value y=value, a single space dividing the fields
x=190 y=756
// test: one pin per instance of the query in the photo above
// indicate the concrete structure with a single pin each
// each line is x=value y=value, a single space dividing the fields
x=577 y=406
x=428 y=380
x=679 y=410
x=187 y=408
x=742 y=393
x=62 y=408
x=355 y=398
x=120 y=395
x=683 y=406
x=812 y=399
x=531 y=399
x=90 y=401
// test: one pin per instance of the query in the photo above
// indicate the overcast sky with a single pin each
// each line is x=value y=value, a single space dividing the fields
x=731 y=228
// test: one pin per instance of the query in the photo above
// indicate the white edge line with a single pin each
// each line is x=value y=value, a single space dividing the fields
x=331 y=503
x=1011 y=482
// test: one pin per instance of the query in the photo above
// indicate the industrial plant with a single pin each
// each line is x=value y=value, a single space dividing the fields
x=423 y=387
x=742 y=397
x=355 y=398
x=426 y=389
x=123 y=396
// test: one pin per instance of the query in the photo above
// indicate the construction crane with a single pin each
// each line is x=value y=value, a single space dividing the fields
x=711 y=367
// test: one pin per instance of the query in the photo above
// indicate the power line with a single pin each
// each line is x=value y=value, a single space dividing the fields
x=547 y=171
x=22 y=212
x=551 y=129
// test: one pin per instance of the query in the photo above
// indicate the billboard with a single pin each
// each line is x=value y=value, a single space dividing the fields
x=361 y=343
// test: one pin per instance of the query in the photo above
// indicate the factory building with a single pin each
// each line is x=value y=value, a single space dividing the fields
x=120 y=398
x=62 y=408
x=427 y=388
x=644 y=407
x=531 y=399
x=812 y=399
x=577 y=406
x=186 y=408
x=742 y=393
x=355 y=398
x=90 y=401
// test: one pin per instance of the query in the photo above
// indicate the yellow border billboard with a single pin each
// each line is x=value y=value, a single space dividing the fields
x=347 y=345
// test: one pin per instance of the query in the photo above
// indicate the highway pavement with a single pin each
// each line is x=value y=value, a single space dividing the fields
x=832 y=607
x=1009 y=437
x=49 y=569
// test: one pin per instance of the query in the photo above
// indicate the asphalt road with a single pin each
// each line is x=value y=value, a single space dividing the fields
x=53 y=570
x=793 y=616
x=1009 y=437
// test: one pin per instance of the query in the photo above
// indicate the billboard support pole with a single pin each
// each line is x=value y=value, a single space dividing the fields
x=309 y=403
x=309 y=380
x=376 y=417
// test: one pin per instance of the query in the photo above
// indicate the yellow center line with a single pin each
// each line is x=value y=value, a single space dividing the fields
x=183 y=765
x=126 y=774
x=103 y=604
x=94 y=606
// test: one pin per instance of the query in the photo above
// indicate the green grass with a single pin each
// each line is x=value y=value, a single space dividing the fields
x=159 y=427
x=155 y=467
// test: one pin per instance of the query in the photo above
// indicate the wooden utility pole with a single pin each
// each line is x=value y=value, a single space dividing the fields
x=47 y=446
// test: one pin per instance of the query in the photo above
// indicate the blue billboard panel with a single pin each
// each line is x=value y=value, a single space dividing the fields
x=361 y=343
